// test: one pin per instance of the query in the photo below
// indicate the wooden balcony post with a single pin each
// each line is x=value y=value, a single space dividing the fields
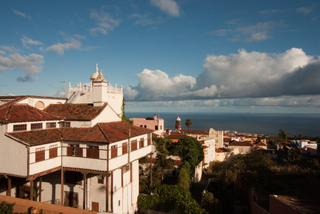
x=31 y=190
x=8 y=185
x=40 y=188
x=84 y=189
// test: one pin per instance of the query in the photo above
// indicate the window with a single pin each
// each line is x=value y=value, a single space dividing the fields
x=141 y=143
x=64 y=124
x=36 y=126
x=93 y=152
x=39 y=104
x=114 y=151
x=240 y=150
x=161 y=127
x=141 y=126
x=124 y=148
x=53 y=151
x=126 y=168
x=74 y=150
x=100 y=179
x=145 y=126
x=134 y=145
x=40 y=154
x=156 y=127
x=51 y=125
x=21 y=127
x=149 y=141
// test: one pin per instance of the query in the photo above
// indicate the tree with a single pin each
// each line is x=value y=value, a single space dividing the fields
x=282 y=135
x=170 y=199
x=188 y=123
x=189 y=149
x=123 y=118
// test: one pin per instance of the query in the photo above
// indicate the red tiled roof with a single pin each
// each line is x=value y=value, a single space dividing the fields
x=37 y=137
x=261 y=144
x=117 y=131
x=222 y=150
x=75 y=111
x=199 y=132
x=92 y=134
x=237 y=143
x=101 y=133
x=176 y=136
x=12 y=112
x=226 y=139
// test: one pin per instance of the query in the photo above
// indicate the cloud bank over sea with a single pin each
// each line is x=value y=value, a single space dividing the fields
x=245 y=78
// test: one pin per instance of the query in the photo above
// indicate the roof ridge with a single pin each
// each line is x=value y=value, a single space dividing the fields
x=104 y=134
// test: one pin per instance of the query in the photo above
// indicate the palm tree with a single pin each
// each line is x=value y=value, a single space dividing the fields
x=189 y=123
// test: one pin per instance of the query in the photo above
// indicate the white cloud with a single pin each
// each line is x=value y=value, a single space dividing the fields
x=59 y=48
x=2 y=52
x=30 y=64
x=305 y=10
x=266 y=12
x=105 y=23
x=156 y=85
x=241 y=79
x=10 y=49
x=26 y=42
x=21 y=14
x=144 y=19
x=257 y=74
x=169 y=7
x=253 y=33
x=130 y=93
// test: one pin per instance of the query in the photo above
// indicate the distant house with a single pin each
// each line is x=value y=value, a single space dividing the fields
x=75 y=152
x=154 y=123
x=243 y=147
x=224 y=154
x=261 y=145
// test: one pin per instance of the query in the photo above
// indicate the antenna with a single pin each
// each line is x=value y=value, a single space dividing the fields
x=158 y=112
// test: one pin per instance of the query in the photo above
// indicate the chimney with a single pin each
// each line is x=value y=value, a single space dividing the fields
x=129 y=132
x=155 y=116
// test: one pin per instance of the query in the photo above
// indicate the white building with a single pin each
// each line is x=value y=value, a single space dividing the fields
x=77 y=154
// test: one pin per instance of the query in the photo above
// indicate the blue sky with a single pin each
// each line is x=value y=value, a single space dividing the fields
x=188 y=55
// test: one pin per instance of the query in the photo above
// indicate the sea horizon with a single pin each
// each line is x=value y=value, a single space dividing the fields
x=294 y=124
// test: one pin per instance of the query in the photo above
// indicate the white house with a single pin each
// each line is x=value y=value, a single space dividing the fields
x=75 y=153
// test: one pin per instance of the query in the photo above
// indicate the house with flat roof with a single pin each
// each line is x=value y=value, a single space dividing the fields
x=154 y=123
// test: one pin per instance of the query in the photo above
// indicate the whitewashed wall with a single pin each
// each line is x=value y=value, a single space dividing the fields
x=13 y=155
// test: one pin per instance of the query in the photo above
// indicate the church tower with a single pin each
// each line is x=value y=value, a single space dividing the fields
x=178 y=123
x=98 y=92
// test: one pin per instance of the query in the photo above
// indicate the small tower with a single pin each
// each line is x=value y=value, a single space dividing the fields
x=178 y=123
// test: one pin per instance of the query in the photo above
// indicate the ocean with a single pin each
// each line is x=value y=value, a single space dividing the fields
x=268 y=124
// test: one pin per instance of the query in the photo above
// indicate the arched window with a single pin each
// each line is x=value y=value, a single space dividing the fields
x=40 y=105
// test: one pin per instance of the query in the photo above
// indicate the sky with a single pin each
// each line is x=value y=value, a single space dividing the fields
x=171 y=56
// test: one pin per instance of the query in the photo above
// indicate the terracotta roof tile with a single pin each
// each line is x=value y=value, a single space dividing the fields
x=102 y=133
x=75 y=111
x=222 y=150
x=237 y=143
x=37 y=137
x=92 y=134
x=199 y=132
x=176 y=136
x=12 y=112
x=261 y=144
x=117 y=131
